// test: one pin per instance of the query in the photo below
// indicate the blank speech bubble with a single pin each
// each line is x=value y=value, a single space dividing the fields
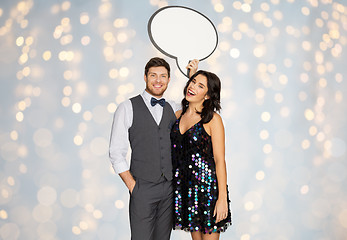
x=183 y=34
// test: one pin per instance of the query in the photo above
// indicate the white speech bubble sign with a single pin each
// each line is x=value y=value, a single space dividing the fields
x=182 y=33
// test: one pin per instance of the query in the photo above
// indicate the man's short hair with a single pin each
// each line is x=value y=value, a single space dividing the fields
x=157 y=62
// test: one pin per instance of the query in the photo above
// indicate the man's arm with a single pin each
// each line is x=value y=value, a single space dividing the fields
x=119 y=143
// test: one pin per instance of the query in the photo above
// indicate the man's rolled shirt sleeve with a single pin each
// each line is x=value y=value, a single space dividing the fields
x=119 y=140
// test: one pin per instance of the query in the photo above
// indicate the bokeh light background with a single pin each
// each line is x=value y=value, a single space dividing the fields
x=66 y=65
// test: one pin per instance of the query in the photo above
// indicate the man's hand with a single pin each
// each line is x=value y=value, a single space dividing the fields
x=129 y=180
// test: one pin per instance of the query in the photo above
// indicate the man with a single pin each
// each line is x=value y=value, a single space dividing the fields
x=145 y=122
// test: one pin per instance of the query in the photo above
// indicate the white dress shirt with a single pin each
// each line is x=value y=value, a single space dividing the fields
x=122 y=121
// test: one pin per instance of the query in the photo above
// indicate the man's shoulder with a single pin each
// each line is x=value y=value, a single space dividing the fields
x=125 y=105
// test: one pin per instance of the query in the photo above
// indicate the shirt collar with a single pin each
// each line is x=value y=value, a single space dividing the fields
x=147 y=97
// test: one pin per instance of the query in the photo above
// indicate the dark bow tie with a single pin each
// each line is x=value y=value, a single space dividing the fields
x=155 y=101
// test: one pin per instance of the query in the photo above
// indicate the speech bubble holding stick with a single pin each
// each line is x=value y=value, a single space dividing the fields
x=182 y=33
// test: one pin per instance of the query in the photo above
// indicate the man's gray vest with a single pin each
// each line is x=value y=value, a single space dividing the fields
x=150 y=143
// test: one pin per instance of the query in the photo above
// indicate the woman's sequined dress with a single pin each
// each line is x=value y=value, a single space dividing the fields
x=195 y=182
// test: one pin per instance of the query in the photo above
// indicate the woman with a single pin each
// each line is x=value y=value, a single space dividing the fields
x=201 y=203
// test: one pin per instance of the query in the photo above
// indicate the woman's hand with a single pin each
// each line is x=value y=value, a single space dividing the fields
x=193 y=66
x=221 y=209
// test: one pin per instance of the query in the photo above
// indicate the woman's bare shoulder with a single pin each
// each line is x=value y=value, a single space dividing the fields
x=178 y=113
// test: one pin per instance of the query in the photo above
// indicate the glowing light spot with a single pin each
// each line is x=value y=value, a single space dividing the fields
x=29 y=40
x=320 y=137
x=260 y=175
x=84 y=18
x=65 y=5
x=66 y=39
x=234 y=53
x=105 y=8
x=219 y=7
x=97 y=214
x=19 y=41
x=246 y=7
x=26 y=71
x=22 y=151
x=265 y=7
x=237 y=5
x=85 y=40
x=283 y=79
x=119 y=204
x=19 y=116
x=265 y=116
x=66 y=101
x=309 y=114
x=259 y=16
x=47 y=55
x=87 y=116
x=76 y=107
x=83 y=225
x=242 y=67
x=22 y=168
x=89 y=207
x=278 y=15
x=21 y=106
x=76 y=230
x=264 y=134
x=259 y=51
x=284 y=112
x=237 y=35
x=68 y=75
x=267 y=148
x=338 y=96
x=111 y=108
x=245 y=237
x=267 y=22
x=305 y=11
x=249 y=206
x=103 y=91
x=78 y=140
x=124 y=72
x=67 y=90
x=313 y=130
x=14 y=135
x=224 y=46
x=120 y=22
x=304 y=189
x=122 y=37
x=271 y=68
x=305 y=144
x=302 y=96
x=108 y=36
x=3 y=214
x=278 y=97
x=113 y=73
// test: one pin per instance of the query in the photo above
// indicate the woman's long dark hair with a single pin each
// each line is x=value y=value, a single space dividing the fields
x=210 y=105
